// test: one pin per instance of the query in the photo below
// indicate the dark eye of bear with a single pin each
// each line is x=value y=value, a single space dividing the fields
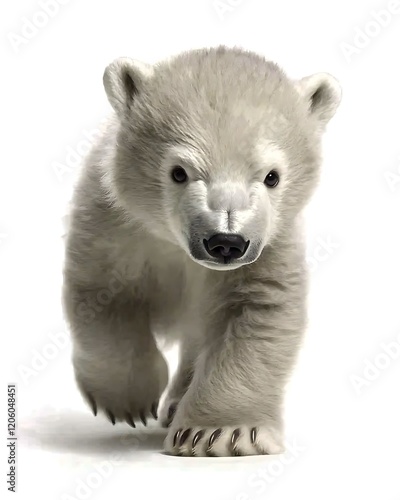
x=272 y=179
x=179 y=174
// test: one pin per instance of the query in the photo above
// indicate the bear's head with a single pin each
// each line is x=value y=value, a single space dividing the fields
x=217 y=150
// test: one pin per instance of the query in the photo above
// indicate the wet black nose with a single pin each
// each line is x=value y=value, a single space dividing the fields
x=226 y=246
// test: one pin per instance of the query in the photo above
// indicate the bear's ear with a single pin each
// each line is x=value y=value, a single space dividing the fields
x=123 y=79
x=322 y=93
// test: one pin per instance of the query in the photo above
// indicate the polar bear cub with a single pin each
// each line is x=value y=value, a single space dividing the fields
x=185 y=226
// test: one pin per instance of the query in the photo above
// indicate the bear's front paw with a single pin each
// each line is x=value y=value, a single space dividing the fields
x=126 y=392
x=224 y=441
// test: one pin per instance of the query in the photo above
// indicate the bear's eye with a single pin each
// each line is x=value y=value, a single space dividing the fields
x=272 y=179
x=179 y=174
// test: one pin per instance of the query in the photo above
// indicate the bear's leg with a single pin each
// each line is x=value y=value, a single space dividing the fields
x=118 y=367
x=180 y=382
x=233 y=405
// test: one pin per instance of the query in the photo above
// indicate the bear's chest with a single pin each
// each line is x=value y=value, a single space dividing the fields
x=176 y=291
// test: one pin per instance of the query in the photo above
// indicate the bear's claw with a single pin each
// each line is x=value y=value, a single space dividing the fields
x=171 y=413
x=111 y=416
x=153 y=410
x=223 y=442
x=142 y=417
x=233 y=444
x=176 y=437
x=128 y=418
x=199 y=434
x=92 y=404
x=253 y=435
x=184 y=436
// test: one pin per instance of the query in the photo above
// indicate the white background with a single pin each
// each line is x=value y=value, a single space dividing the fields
x=343 y=408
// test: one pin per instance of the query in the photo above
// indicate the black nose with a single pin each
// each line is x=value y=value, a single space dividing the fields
x=226 y=246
